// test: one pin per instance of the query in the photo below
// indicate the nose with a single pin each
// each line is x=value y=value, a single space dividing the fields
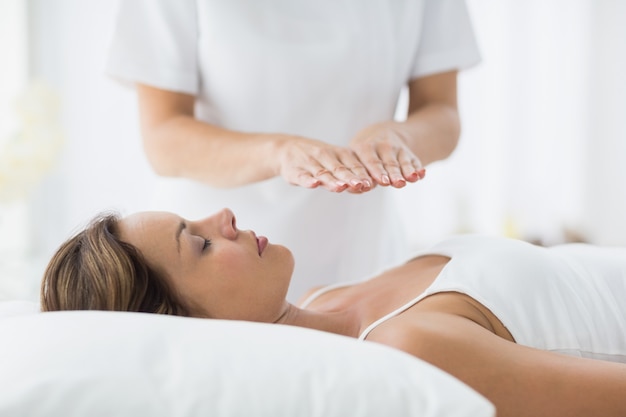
x=223 y=222
x=228 y=223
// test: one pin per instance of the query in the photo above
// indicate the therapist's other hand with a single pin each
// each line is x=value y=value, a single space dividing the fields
x=311 y=163
x=387 y=157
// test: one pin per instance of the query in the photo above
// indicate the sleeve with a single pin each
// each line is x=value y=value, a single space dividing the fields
x=448 y=41
x=155 y=43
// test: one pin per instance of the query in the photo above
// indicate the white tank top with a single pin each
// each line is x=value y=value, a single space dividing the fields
x=569 y=298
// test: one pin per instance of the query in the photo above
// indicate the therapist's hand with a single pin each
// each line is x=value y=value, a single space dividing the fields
x=311 y=163
x=388 y=159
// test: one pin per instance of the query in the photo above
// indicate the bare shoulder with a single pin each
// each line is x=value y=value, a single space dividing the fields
x=416 y=334
x=428 y=333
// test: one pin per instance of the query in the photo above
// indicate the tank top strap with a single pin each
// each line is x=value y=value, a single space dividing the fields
x=321 y=291
x=394 y=313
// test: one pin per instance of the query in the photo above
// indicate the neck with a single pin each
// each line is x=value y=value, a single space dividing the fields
x=343 y=322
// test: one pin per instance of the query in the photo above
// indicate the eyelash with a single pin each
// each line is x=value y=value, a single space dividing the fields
x=206 y=244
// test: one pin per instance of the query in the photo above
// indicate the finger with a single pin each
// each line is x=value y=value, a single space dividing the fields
x=362 y=190
x=392 y=166
x=306 y=180
x=376 y=169
x=331 y=163
x=385 y=160
x=329 y=181
x=353 y=164
x=410 y=166
x=373 y=165
x=354 y=181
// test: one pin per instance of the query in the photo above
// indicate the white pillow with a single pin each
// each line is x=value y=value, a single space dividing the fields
x=91 y=363
x=17 y=308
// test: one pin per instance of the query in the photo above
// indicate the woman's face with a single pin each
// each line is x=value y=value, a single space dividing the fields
x=215 y=269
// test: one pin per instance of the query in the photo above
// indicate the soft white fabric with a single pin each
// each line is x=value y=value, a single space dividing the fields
x=569 y=298
x=87 y=363
x=321 y=69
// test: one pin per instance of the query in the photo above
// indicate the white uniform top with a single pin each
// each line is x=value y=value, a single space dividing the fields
x=322 y=69
x=569 y=298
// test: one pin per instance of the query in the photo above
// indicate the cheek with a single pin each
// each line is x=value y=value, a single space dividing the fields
x=231 y=269
x=231 y=260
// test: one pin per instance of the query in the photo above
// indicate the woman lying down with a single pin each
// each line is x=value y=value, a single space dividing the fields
x=538 y=331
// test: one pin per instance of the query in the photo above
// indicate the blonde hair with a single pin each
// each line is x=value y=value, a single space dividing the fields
x=95 y=270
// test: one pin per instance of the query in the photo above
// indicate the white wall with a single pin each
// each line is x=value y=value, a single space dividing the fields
x=103 y=165
x=604 y=216
x=543 y=143
x=542 y=148
x=13 y=44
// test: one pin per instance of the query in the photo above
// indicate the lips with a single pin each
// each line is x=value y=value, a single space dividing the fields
x=261 y=242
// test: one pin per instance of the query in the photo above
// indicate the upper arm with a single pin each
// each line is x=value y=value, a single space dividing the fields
x=437 y=88
x=157 y=106
x=519 y=380
x=403 y=334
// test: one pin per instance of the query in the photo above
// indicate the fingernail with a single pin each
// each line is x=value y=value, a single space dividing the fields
x=355 y=183
x=385 y=180
x=341 y=186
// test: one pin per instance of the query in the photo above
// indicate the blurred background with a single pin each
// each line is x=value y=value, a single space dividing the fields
x=542 y=155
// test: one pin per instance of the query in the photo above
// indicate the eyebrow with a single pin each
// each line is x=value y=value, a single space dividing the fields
x=181 y=226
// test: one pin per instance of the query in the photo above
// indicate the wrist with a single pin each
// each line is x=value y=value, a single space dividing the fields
x=275 y=151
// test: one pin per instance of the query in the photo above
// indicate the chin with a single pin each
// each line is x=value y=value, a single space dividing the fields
x=284 y=253
x=289 y=263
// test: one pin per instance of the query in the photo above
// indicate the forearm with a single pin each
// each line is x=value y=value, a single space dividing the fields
x=185 y=147
x=432 y=127
x=179 y=145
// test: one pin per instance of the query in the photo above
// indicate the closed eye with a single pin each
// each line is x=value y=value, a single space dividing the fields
x=206 y=244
